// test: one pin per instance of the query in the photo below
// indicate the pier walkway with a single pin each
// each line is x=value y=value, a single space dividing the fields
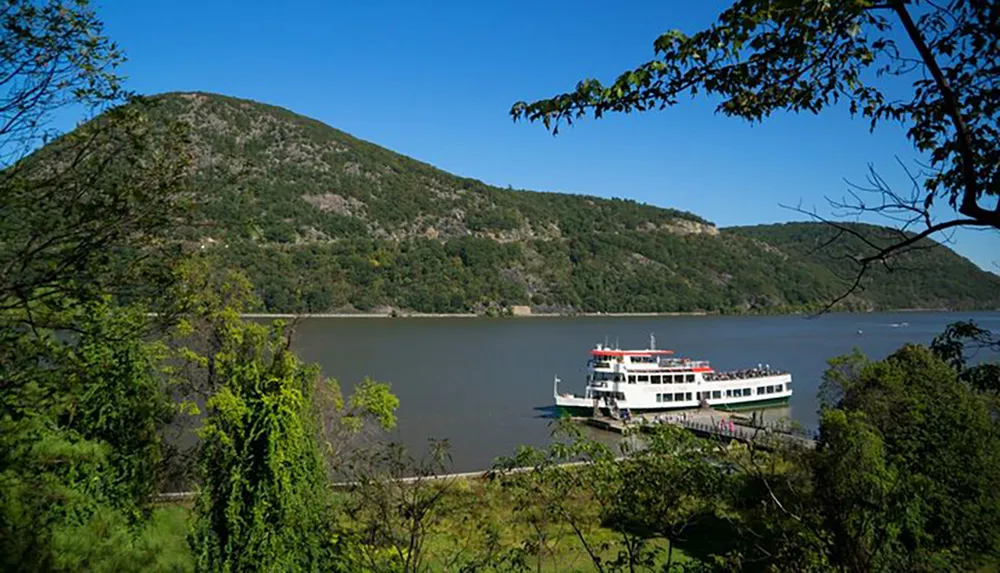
x=709 y=423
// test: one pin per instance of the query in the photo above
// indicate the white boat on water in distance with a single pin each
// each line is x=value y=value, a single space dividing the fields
x=654 y=380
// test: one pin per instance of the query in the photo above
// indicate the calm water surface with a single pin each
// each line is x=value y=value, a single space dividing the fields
x=483 y=384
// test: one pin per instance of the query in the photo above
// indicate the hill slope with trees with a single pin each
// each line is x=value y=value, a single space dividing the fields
x=322 y=221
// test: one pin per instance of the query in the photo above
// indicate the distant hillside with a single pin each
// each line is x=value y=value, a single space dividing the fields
x=929 y=276
x=322 y=221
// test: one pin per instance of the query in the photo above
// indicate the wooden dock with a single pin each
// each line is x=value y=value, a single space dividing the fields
x=714 y=424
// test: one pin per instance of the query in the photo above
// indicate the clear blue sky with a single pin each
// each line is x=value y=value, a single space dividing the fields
x=435 y=80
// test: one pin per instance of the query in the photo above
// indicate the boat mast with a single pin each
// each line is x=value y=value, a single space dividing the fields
x=652 y=341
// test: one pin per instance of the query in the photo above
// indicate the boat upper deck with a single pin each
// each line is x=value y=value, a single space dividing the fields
x=761 y=371
x=645 y=360
x=604 y=361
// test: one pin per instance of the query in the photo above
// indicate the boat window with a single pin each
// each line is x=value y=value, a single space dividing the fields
x=631 y=379
x=729 y=393
x=659 y=397
x=643 y=378
x=688 y=397
x=690 y=377
x=607 y=376
x=697 y=395
x=788 y=387
x=668 y=397
x=655 y=378
x=620 y=395
x=716 y=394
x=760 y=390
x=679 y=396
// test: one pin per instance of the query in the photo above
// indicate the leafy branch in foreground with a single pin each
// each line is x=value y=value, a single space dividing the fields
x=761 y=57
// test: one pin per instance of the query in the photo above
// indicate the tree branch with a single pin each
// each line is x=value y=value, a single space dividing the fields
x=970 y=195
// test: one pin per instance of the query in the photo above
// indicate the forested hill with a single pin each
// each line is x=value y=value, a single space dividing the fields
x=322 y=221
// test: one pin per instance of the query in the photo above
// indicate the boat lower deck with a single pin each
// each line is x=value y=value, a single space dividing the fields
x=585 y=411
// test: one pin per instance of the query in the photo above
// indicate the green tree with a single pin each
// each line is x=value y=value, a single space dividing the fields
x=762 y=57
x=264 y=502
x=81 y=448
x=276 y=436
x=886 y=476
x=82 y=395
x=962 y=341
x=647 y=495
x=394 y=500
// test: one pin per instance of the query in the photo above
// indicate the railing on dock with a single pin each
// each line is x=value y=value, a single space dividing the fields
x=767 y=436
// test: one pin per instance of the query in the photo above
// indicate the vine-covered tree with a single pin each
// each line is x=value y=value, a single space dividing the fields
x=265 y=501
x=765 y=56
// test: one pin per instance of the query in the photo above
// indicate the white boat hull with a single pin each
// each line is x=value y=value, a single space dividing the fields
x=753 y=392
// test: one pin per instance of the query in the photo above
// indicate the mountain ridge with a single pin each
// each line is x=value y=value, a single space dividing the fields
x=323 y=221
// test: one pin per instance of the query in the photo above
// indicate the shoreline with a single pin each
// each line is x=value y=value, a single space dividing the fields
x=573 y=315
x=471 y=315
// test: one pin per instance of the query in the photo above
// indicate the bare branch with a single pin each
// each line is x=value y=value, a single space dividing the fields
x=969 y=205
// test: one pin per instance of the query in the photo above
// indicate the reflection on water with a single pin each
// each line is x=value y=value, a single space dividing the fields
x=486 y=385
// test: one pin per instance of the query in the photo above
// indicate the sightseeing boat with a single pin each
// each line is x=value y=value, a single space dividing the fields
x=655 y=380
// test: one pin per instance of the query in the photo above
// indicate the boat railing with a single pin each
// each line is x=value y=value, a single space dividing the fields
x=743 y=374
x=680 y=363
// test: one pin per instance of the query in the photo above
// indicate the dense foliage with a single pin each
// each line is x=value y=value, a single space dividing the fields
x=322 y=221
x=83 y=395
x=81 y=445
x=886 y=474
x=265 y=495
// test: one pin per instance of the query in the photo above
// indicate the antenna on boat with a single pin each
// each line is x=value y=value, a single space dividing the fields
x=616 y=344
x=652 y=341
x=606 y=341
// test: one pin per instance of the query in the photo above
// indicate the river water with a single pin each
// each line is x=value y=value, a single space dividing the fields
x=485 y=384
